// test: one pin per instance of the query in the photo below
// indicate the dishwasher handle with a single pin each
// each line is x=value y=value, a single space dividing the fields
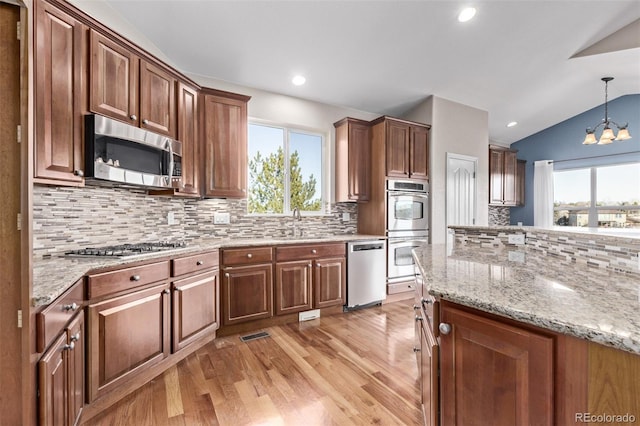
x=368 y=246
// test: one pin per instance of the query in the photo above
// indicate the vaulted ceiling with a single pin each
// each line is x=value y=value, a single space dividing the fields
x=534 y=62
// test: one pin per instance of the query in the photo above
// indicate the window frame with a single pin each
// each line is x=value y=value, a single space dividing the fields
x=594 y=208
x=325 y=172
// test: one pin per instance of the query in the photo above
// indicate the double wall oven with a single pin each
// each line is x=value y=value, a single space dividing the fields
x=407 y=225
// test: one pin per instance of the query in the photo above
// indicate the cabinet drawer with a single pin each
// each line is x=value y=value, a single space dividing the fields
x=243 y=256
x=52 y=320
x=99 y=285
x=195 y=263
x=311 y=251
x=401 y=287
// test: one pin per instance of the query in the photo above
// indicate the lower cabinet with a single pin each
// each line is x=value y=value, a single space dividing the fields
x=247 y=293
x=293 y=287
x=329 y=282
x=126 y=334
x=61 y=377
x=494 y=372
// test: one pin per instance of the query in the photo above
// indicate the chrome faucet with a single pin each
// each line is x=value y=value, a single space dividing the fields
x=296 y=218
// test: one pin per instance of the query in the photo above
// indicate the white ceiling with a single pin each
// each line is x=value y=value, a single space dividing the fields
x=512 y=60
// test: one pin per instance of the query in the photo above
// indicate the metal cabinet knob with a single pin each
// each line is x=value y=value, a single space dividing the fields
x=177 y=289
x=75 y=337
x=199 y=263
x=133 y=117
x=166 y=291
x=310 y=265
x=135 y=278
x=416 y=307
x=426 y=301
x=416 y=349
x=69 y=347
x=444 y=328
x=418 y=318
x=227 y=275
x=145 y=121
x=314 y=251
x=249 y=255
x=78 y=173
x=72 y=307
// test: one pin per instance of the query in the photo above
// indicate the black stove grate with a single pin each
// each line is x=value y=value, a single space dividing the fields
x=123 y=250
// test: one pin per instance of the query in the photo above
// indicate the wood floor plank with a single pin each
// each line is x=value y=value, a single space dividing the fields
x=350 y=369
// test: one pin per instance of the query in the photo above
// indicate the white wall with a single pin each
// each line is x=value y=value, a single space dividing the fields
x=458 y=129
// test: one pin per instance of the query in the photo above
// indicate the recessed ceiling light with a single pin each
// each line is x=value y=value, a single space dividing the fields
x=466 y=14
x=298 y=80
x=512 y=124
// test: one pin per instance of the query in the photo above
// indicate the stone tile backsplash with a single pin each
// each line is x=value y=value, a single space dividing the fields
x=66 y=218
x=499 y=216
x=602 y=251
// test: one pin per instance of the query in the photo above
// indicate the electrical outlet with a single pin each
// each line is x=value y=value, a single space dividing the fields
x=221 y=218
x=516 y=256
x=516 y=239
x=171 y=218
x=346 y=217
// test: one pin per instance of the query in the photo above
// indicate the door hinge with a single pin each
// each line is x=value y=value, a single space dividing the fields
x=19 y=133
x=473 y=221
x=18 y=30
x=19 y=318
x=19 y=222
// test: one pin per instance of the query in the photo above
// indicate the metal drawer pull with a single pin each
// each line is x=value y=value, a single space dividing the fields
x=133 y=117
x=227 y=275
x=145 y=121
x=79 y=173
x=416 y=349
x=166 y=291
x=426 y=301
x=314 y=251
x=199 y=262
x=69 y=347
x=135 y=278
x=75 y=337
x=177 y=289
x=249 y=255
x=418 y=318
x=416 y=307
x=72 y=307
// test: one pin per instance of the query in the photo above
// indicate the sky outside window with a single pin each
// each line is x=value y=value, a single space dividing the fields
x=572 y=188
x=618 y=185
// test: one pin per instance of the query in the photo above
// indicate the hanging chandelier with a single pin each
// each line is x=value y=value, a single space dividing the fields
x=608 y=135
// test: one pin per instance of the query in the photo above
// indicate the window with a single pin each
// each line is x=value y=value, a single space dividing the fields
x=607 y=196
x=285 y=170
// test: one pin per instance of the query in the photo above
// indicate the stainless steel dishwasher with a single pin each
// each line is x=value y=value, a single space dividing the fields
x=366 y=276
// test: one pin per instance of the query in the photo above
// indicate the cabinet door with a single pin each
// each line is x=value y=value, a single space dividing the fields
x=293 y=287
x=76 y=355
x=429 y=375
x=52 y=382
x=359 y=174
x=157 y=100
x=247 y=293
x=225 y=142
x=126 y=334
x=329 y=282
x=509 y=179
x=491 y=370
x=419 y=153
x=397 y=149
x=114 y=80
x=496 y=170
x=195 y=308
x=59 y=81
x=520 y=182
x=188 y=135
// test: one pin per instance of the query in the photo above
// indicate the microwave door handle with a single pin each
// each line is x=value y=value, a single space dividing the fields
x=171 y=163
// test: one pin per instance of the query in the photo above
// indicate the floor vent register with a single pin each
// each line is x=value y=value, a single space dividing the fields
x=254 y=336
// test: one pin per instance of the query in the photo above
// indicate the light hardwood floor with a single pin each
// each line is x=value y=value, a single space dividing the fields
x=356 y=368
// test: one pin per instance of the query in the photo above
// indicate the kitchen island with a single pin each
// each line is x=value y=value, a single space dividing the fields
x=544 y=330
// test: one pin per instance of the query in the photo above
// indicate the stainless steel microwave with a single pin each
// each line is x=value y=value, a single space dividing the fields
x=119 y=152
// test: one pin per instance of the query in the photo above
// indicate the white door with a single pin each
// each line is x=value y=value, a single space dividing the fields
x=461 y=189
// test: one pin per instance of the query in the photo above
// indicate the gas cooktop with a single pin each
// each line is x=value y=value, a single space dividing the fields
x=126 y=250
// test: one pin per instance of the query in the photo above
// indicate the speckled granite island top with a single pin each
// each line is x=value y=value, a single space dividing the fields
x=54 y=275
x=526 y=285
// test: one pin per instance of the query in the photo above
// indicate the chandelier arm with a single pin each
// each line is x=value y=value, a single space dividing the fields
x=617 y=125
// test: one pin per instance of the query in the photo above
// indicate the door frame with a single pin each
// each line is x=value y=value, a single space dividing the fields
x=454 y=156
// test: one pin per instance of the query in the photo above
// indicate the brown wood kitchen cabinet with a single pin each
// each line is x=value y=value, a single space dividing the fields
x=60 y=70
x=502 y=176
x=494 y=370
x=196 y=298
x=247 y=284
x=353 y=160
x=128 y=325
x=520 y=182
x=128 y=88
x=225 y=144
x=404 y=146
x=310 y=276
x=61 y=368
x=189 y=135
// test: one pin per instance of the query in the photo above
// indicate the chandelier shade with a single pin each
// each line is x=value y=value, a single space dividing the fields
x=608 y=135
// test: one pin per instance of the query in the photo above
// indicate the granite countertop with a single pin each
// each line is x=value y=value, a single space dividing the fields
x=54 y=275
x=633 y=233
x=595 y=304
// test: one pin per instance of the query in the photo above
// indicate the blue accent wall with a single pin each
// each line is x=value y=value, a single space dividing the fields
x=563 y=142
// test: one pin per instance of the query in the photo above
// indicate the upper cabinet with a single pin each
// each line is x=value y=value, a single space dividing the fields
x=502 y=176
x=189 y=135
x=353 y=160
x=225 y=144
x=130 y=89
x=406 y=147
x=60 y=71
x=520 y=183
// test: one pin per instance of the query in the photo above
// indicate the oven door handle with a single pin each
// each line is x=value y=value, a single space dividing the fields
x=409 y=194
x=405 y=241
